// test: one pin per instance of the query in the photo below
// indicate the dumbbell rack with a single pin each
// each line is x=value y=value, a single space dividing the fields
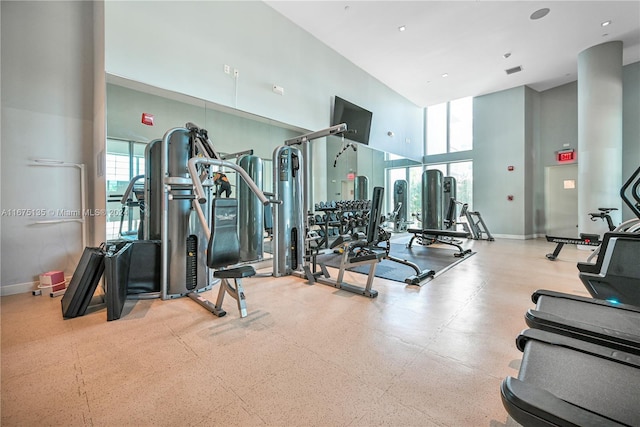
x=342 y=217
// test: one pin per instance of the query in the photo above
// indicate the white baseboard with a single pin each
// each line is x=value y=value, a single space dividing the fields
x=515 y=236
x=22 y=288
x=18 y=288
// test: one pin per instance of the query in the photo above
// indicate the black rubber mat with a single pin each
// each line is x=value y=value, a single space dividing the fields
x=438 y=259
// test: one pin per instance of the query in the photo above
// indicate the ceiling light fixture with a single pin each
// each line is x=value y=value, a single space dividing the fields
x=506 y=55
x=605 y=23
x=401 y=28
x=540 y=13
x=445 y=75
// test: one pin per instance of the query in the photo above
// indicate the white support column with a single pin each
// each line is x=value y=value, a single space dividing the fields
x=599 y=133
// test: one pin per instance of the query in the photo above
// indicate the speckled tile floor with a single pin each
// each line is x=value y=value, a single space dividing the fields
x=304 y=356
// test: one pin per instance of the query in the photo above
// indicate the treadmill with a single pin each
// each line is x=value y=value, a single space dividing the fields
x=564 y=381
x=616 y=326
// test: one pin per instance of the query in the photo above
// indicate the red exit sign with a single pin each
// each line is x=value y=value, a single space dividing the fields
x=566 y=156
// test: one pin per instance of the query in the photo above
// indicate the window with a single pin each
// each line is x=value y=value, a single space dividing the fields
x=463 y=173
x=124 y=160
x=450 y=127
x=461 y=125
x=437 y=129
x=413 y=176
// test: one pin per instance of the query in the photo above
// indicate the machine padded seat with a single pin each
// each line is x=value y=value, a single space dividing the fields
x=372 y=254
x=436 y=232
x=235 y=273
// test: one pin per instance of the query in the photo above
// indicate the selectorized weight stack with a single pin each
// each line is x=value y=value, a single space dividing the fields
x=251 y=211
x=170 y=217
x=449 y=201
x=361 y=188
x=288 y=216
x=400 y=203
x=432 y=203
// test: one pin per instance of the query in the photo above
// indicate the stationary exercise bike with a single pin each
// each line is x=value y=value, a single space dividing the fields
x=586 y=239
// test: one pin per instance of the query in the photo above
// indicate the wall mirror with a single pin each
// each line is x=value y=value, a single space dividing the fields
x=334 y=176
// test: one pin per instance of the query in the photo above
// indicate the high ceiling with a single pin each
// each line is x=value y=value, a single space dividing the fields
x=467 y=40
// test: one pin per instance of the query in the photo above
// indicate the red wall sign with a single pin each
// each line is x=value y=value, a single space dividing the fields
x=566 y=156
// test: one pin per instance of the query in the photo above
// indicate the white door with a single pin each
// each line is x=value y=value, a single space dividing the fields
x=346 y=190
x=561 y=200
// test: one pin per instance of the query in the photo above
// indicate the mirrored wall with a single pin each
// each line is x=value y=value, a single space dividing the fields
x=336 y=170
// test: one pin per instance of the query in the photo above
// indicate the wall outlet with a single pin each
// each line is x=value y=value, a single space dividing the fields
x=227 y=69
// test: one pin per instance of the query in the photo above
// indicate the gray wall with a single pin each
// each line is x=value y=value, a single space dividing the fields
x=47 y=112
x=557 y=129
x=183 y=46
x=525 y=128
x=499 y=141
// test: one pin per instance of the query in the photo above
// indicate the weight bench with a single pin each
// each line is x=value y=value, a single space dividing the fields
x=426 y=237
x=356 y=250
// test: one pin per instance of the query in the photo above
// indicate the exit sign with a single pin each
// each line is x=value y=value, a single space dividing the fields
x=566 y=155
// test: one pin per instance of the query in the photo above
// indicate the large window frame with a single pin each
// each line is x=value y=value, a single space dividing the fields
x=464 y=187
x=449 y=127
x=124 y=160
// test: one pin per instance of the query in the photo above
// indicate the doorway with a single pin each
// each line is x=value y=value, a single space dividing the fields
x=561 y=200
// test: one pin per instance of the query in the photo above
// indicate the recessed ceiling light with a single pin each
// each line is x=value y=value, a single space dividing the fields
x=445 y=75
x=506 y=55
x=605 y=23
x=605 y=34
x=401 y=28
x=540 y=13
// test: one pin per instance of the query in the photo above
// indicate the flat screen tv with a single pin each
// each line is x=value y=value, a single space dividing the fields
x=357 y=119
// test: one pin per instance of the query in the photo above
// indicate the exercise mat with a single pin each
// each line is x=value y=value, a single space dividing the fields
x=434 y=258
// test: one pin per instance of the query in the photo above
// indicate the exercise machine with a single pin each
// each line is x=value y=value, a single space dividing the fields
x=475 y=225
x=361 y=188
x=137 y=190
x=432 y=200
x=615 y=276
x=251 y=218
x=356 y=251
x=426 y=237
x=223 y=243
x=289 y=216
x=564 y=381
x=433 y=214
x=400 y=201
x=586 y=239
x=614 y=325
x=415 y=279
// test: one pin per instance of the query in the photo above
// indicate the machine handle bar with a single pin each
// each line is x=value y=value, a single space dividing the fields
x=200 y=194
x=129 y=189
